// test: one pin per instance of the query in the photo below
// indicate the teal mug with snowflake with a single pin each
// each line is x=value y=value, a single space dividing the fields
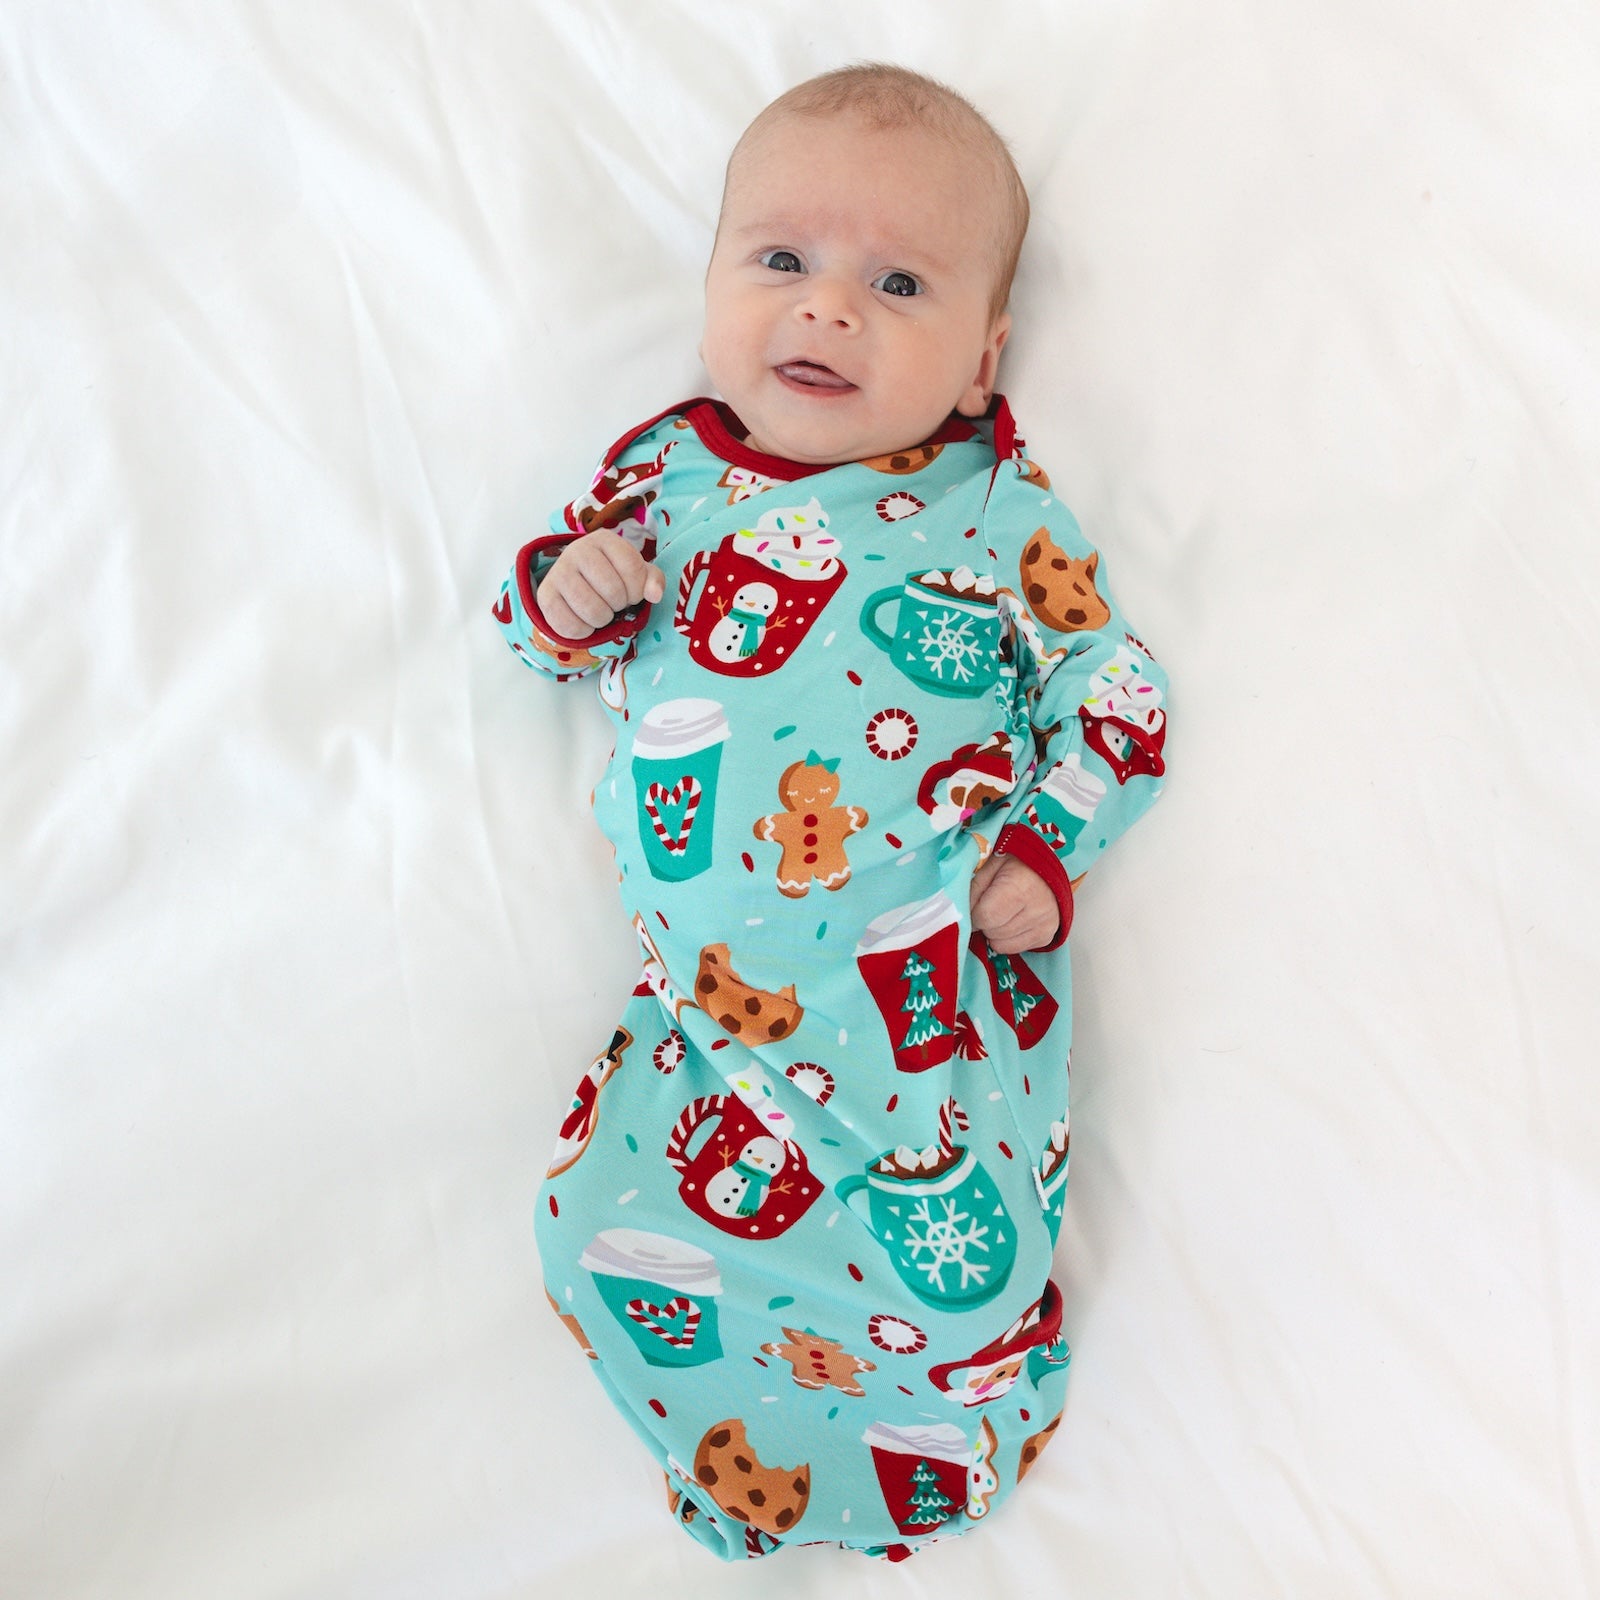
x=942 y=1219
x=947 y=631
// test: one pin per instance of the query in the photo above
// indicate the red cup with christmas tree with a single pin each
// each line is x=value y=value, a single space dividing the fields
x=922 y=1471
x=909 y=958
x=1020 y=998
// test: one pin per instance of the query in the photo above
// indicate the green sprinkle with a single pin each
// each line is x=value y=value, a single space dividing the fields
x=874 y=555
x=822 y=928
x=633 y=1144
x=833 y=1411
x=784 y=731
x=833 y=1142
x=780 y=1300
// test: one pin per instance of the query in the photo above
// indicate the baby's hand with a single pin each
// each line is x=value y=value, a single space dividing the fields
x=1012 y=906
x=593 y=579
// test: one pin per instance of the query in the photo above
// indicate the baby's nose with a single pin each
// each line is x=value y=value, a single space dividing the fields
x=830 y=300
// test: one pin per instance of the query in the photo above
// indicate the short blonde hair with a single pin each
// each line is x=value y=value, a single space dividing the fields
x=887 y=97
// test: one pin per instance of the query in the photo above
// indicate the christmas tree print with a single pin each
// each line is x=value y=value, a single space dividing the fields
x=920 y=1000
x=1022 y=1001
x=930 y=1505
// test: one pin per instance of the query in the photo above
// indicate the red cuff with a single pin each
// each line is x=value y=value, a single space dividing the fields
x=1020 y=841
x=622 y=626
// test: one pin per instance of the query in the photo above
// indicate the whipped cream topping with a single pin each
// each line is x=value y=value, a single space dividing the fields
x=793 y=540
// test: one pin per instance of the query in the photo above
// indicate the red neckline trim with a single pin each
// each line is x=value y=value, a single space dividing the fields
x=714 y=421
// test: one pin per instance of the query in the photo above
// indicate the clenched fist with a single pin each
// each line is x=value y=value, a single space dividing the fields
x=1012 y=906
x=593 y=579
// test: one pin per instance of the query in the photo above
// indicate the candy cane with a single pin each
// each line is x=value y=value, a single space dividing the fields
x=1050 y=832
x=696 y=1112
x=672 y=797
x=680 y=612
x=951 y=1116
x=646 y=1315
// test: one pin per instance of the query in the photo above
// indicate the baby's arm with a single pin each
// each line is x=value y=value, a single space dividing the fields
x=1092 y=699
x=575 y=647
x=593 y=579
x=596 y=553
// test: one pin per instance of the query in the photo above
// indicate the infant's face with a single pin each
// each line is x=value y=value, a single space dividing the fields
x=847 y=301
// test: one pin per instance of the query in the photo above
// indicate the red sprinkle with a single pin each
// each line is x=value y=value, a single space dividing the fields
x=1022 y=1414
x=758 y=1361
x=1026 y=1088
x=894 y=1100
x=892 y=840
x=970 y=533
x=855 y=1271
x=749 y=865
x=854 y=677
x=902 y=1388
x=1005 y=1150
x=555 y=1210
x=657 y=1407
x=663 y=921
x=719 y=1044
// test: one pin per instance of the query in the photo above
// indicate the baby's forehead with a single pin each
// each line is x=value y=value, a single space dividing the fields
x=777 y=138
x=772 y=179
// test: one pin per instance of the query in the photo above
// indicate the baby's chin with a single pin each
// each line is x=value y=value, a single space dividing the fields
x=821 y=446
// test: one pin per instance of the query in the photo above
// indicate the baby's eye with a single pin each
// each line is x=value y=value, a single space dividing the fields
x=898 y=283
x=782 y=261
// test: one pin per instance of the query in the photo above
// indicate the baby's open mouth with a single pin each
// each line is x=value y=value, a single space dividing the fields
x=813 y=375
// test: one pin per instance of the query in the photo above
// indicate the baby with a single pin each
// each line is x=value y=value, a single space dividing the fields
x=876 y=714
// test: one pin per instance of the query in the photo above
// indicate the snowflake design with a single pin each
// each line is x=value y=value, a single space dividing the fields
x=948 y=1241
x=950 y=639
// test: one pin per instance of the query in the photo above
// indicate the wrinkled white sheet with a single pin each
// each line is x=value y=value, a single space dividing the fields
x=309 y=313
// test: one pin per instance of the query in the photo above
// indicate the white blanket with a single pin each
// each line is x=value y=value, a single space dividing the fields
x=309 y=314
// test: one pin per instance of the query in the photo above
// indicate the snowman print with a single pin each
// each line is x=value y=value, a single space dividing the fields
x=740 y=632
x=738 y=1190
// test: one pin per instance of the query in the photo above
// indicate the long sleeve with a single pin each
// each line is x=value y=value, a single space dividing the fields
x=522 y=623
x=619 y=499
x=1090 y=694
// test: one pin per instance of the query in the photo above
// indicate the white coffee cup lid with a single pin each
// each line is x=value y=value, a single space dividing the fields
x=908 y=925
x=633 y=1253
x=942 y=1441
x=679 y=728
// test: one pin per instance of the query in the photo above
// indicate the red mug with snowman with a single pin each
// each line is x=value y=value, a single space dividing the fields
x=743 y=1179
x=764 y=588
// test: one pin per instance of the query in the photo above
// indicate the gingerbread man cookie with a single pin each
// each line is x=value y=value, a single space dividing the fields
x=811 y=828
x=820 y=1363
x=772 y=1499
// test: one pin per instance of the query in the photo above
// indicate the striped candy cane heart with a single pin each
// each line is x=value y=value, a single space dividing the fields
x=685 y=792
x=657 y=1318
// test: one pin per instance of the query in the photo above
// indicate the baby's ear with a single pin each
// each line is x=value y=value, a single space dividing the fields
x=976 y=396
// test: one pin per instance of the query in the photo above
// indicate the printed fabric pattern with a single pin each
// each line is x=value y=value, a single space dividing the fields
x=802 y=1208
